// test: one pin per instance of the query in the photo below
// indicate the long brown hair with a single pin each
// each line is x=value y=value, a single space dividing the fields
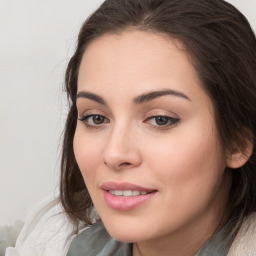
x=222 y=47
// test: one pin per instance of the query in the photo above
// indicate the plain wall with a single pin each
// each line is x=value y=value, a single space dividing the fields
x=37 y=38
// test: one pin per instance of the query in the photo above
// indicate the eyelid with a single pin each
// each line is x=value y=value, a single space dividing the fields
x=161 y=112
x=85 y=120
x=85 y=116
x=172 y=119
x=91 y=111
x=171 y=122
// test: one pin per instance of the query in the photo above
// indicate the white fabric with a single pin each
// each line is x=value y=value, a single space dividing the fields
x=245 y=241
x=48 y=232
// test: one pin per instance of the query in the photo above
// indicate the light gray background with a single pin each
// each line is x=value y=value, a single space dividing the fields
x=37 y=38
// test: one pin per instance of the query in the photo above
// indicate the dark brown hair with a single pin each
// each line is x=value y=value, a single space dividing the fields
x=222 y=47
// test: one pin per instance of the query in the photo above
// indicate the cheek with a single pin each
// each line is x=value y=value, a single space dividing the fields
x=87 y=154
x=191 y=159
x=189 y=171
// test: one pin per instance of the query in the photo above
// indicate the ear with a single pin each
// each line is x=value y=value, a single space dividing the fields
x=238 y=157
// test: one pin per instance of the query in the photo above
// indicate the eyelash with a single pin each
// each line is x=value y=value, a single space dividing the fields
x=171 y=121
x=85 y=120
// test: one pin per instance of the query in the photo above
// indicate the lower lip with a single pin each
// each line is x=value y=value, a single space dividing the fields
x=123 y=203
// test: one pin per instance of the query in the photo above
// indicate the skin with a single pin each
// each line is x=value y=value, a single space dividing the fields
x=183 y=161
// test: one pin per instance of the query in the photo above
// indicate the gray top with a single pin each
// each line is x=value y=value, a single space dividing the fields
x=95 y=241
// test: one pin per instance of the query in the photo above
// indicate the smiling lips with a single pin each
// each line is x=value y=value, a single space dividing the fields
x=127 y=192
x=125 y=196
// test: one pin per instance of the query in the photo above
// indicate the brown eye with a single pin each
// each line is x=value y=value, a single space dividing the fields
x=94 y=120
x=97 y=119
x=161 y=120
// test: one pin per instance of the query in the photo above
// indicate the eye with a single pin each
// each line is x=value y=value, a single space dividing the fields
x=94 y=120
x=162 y=121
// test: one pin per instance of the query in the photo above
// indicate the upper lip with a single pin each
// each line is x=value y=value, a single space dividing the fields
x=124 y=186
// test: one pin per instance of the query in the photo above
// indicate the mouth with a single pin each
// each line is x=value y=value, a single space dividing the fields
x=127 y=193
x=126 y=196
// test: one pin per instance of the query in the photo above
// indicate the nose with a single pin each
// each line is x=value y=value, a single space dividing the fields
x=122 y=149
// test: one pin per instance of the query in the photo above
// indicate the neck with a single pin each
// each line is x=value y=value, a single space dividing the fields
x=178 y=245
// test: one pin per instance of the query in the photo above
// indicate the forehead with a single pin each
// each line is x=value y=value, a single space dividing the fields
x=134 y=40
x=133 y=46
x=139 y=61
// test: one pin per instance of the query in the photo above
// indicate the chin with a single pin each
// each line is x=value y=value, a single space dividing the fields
x=126 y=236
x=127 y=232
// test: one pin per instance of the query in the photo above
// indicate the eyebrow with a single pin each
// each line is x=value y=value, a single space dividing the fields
x=145 y=97
x=91 y=96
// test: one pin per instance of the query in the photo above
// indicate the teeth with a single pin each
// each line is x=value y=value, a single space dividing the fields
x=118 y=193
x=135 y=193
x=127 y=193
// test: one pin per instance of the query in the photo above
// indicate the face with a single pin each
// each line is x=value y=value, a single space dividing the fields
x=146 y=141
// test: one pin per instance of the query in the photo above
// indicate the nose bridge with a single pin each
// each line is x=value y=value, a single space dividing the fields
x=122 y=149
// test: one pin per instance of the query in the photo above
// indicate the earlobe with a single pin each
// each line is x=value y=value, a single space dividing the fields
x=239 y=157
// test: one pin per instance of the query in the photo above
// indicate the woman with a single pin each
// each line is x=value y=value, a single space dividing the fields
x=159 y=138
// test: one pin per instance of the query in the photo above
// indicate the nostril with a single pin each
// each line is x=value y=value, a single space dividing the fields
x=125 y=164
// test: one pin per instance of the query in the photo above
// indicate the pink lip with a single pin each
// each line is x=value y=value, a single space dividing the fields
x=124 y=186
x=123 y=203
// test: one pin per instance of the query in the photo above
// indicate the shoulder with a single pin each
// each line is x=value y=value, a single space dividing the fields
x=245 y=240
x=47 y=231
